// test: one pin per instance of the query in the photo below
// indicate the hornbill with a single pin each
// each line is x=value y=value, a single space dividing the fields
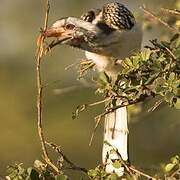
x=106 y=35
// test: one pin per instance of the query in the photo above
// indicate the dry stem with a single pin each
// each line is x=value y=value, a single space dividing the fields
x=132 y=168
x=39 y=54
x=149 y=13
x=71 y=164
x=171 y=11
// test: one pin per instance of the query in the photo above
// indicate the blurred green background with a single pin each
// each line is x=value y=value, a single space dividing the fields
x=154 y=137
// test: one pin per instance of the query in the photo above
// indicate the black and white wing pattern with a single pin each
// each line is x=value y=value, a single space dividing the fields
x=114 y=15
x=118 y=16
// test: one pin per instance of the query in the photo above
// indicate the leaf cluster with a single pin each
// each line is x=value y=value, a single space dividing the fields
x=40 y=171
x=153 y=72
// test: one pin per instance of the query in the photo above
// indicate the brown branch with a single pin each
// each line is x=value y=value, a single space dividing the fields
x=156 y=105
x=171 y=53
x=112 y=109
x=174 y=173
x=71 y=164
x=148 y=12
x=84 y=66
x=39 y=54
x=98 y=119
x=171 y=11
x=132 y=168
x=83 y=107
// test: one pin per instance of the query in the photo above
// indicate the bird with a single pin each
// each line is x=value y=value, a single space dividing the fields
x=106 y=35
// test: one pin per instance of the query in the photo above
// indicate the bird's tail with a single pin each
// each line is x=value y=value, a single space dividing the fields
x=116 y=136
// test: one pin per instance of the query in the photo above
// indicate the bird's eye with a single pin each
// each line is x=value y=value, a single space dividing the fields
x=70 y=26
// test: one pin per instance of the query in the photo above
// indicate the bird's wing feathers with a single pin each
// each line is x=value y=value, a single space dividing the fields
x=118 y=16
x=115 y=15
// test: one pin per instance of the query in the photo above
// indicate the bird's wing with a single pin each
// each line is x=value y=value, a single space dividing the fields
x=117 y=16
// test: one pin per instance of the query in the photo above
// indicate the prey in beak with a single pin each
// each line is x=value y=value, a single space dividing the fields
x=61 y=32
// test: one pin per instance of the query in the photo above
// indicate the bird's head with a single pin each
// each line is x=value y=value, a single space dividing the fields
x=75 y=32
x=98 y=31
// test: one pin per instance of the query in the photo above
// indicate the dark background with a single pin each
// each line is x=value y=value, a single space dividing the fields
x=154 y=137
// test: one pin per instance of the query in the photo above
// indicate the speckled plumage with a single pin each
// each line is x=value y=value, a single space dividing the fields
x=115 y=15
x=118 y=16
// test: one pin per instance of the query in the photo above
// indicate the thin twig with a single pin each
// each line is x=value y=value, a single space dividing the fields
x=156 y=105
x=141 y=173
x=171 y=11
x=83 y=107
x=171 y=53
x=71 y=65
x=95 y=128
x=112 y=109
x=174 y=173
x=84 y=66
x=71 y=164
x=39 y=54
x=148 y=12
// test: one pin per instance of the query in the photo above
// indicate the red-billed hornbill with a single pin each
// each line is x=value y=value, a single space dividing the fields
x=106 y=35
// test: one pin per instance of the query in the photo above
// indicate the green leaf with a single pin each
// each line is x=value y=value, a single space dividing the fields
x=39 y=165
x=146 y=54
x=61 y=177
x=177 y=52
x=178 y=23
x=112 y=177
x=161 y=58
x=117 y=164
x=136 y=61
x=169 y=167
x=178 y=42
x=160 y=80
x=93 y=173
x=151 y=78
x=177 y=91
x=175 y=160
x=177 y=103
x=34 y=175
x=172 y=76
x=104 y=78
x=165 y=43
x=169 y=96
x=128 y=62
x=29 y=170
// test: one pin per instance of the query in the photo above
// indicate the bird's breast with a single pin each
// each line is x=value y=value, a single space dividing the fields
x=102 y=62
